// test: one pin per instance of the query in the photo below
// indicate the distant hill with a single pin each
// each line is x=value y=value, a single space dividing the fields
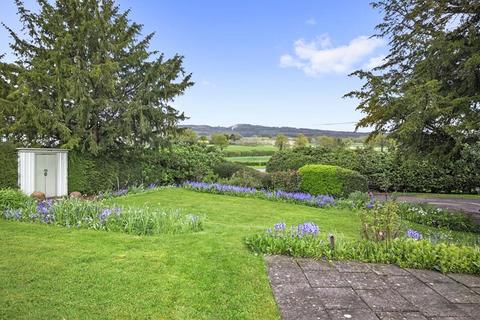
x=250 y=130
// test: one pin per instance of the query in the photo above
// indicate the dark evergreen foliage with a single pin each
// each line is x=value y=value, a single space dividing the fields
x=84 y=78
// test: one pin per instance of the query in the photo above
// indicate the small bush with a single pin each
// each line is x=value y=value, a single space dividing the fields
x=13 y=199
x=227 y=169
x=333 y=180
x=286 y=180
x=382 y=222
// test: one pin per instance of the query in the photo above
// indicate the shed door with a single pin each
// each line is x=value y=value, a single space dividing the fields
x=46 y=174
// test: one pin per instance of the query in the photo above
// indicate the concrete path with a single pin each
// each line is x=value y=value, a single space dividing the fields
x=308 y=289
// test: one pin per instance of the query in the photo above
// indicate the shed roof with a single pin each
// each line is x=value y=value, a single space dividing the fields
x=42 y=150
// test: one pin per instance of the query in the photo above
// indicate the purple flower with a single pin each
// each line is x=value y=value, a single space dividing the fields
x=307 y=228
x=370 y=205
x=279 y=226
x=414 y=234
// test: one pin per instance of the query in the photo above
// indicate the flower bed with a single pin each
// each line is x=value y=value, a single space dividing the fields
x=293 y=197
x=75 y=213
x=407 y=252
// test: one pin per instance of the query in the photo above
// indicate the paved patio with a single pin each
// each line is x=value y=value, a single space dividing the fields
x=309 y=289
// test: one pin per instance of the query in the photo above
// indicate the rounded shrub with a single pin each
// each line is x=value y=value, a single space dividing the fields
x=332 y=180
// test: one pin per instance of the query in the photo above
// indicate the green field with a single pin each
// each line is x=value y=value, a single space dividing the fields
x=49 y=272
x=251 y=148
x=254 y=161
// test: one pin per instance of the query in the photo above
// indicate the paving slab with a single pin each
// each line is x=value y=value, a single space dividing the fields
x=315 y=265
x=473 y=310
x=351 y=266
x=401 y=316
x=429 y=276
x=302 y=304
x=456 y=292
x=308 y=289
x=387 y=270
x=466 y=279
x=325 y=279
x=385 y=300
x=340 y=298
x=354 y=314
x=361 y=280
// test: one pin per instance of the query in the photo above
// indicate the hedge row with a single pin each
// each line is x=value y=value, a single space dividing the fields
x=92 y=174
x=392 y=170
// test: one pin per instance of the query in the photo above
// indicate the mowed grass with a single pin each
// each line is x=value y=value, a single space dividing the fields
x=49 y=272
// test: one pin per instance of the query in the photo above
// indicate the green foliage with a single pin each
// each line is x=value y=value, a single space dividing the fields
x=392 y=170
x=301 y=141
x=247 y=153
x=220 y=140
x=356 y=200
x=382 y=222
x=281 y=141
x=248 y=177
x=425 y=94
x=188 y=136
x=75 y=213
x=8 y=163
x=427 y=215
x=89 y=174
x=286 y=180
x=332 y=180
x=13 y=199
x=85 y=79
x=406 y=253
x=226 y=169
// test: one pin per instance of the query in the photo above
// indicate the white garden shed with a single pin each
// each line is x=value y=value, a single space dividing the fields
x=44 y=170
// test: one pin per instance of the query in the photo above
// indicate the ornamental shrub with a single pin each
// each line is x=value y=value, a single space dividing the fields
x=332 y=180
x=286 y=180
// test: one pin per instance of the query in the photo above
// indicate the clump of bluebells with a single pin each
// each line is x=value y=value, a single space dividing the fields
x=415 y=235
x=295 y=197
x=77 y=213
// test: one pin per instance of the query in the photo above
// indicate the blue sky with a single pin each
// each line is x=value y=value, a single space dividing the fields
x=270 y=62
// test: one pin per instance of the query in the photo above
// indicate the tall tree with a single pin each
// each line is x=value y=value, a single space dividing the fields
x=281 y=141
x=427 y=91
x=84 y=78
x=301 y=140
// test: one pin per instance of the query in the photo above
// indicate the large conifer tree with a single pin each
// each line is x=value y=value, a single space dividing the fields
x=427 y=93
x=84 y=78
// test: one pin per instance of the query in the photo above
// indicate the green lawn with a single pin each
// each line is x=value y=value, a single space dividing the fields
x=251 y=148
x=50 y=272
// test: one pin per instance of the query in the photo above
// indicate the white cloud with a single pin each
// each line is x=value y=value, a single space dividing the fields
x=320 y=57
x=311 y=22
x=374 y=62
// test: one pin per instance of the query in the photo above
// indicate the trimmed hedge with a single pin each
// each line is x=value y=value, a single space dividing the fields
x=8 y=165
x=332 y=180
